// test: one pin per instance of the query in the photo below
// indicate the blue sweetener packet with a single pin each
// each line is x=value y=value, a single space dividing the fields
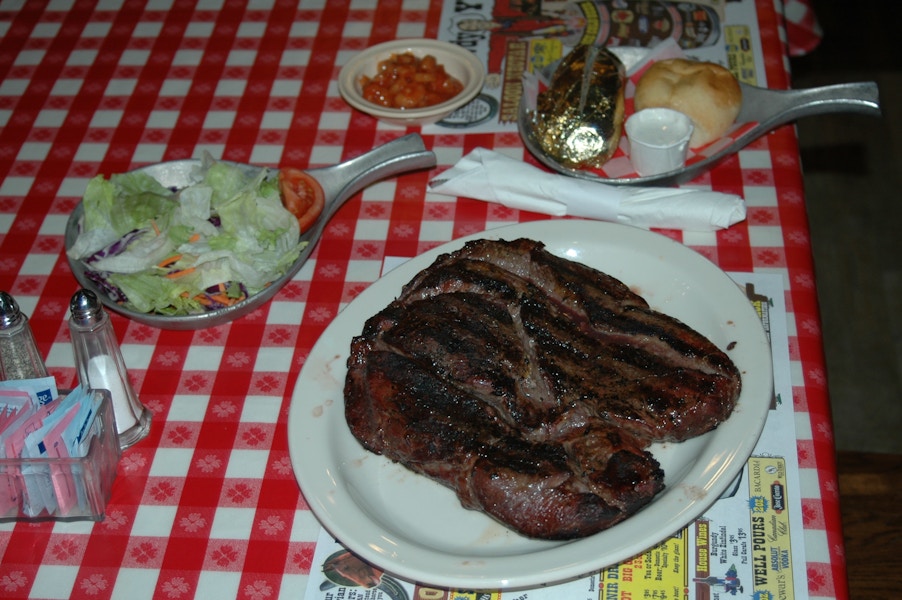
x=70 y=436
x=42 y=390
x=85 y=425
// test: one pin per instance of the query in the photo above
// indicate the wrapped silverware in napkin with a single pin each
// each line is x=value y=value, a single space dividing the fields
x=487 y=175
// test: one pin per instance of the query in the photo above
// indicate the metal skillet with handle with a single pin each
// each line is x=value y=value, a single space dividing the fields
x=339 y=183
x=766 y=108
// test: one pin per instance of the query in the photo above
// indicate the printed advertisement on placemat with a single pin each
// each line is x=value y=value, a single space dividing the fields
x=512 y=37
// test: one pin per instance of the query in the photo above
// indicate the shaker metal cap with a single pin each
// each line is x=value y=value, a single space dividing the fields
x=84 y=307
x=9 y=310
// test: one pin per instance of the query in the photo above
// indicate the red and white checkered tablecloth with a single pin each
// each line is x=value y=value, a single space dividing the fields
x=207 y=506
x=803 y=32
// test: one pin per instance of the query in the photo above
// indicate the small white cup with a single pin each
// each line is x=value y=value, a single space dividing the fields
x=659 y=140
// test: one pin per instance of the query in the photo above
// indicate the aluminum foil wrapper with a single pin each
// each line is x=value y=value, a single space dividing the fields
x=579 y=118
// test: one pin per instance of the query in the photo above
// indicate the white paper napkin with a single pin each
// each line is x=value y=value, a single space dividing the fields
x=493 y=177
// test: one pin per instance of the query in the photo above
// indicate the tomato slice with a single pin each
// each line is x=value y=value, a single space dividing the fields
x=302 y=195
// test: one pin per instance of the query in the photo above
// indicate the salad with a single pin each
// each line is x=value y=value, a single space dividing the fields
x=188 y=251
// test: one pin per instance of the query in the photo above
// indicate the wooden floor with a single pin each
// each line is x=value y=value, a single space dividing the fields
x=853 y=189
x=870 y=487
x=853 y=176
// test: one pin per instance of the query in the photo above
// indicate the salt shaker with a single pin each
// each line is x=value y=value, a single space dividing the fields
x=101 y=366
x=19 y=356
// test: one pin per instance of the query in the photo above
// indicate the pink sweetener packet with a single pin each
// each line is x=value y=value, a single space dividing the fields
x=9 y=495
x=74 y=413
x=55 y=485
x=11 y=402
x=13 y=441
x=14 y=404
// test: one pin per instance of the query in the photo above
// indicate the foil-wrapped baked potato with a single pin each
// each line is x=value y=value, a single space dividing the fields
x=579 y=118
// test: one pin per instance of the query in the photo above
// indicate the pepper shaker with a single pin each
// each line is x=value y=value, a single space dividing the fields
x=101 y=366
x=19 y=356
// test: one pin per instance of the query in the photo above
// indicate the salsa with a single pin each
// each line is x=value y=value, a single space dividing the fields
x=405 y=81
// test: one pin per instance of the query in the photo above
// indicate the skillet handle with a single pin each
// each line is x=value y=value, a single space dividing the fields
x=772 y=108
x=341 y=181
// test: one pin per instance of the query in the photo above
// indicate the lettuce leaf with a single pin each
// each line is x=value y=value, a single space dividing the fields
x=165 y=250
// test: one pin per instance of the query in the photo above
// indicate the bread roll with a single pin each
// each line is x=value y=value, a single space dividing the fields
x=706 y=92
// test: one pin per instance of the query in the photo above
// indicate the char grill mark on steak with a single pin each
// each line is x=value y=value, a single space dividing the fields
x=443 y=433
x=532 y=386
x=626 y=380
x=475 y=343
x=606 y=302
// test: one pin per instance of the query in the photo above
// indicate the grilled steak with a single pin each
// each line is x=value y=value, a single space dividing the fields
x=532 y=386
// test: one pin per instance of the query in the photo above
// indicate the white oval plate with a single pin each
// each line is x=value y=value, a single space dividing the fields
x=416 y=529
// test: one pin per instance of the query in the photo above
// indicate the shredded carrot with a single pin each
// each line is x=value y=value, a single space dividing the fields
x=194 y=238
x=222 y=299
x=168 y=261
x=222 y=287
x=156 y=228
x=181 y=273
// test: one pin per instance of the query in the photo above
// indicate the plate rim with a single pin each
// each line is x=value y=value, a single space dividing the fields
x=730 y=463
